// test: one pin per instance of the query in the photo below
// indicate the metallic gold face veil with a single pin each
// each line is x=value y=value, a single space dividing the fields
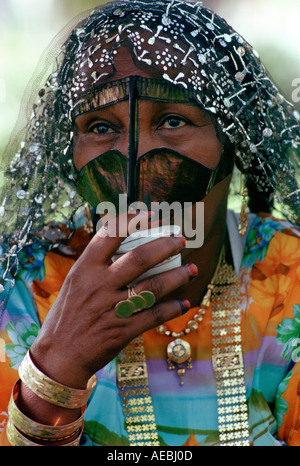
x=178 y=42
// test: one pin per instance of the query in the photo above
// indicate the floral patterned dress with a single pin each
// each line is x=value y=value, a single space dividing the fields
x=269 y=271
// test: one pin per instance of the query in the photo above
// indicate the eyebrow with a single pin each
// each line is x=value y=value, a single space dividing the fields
x=154 y=103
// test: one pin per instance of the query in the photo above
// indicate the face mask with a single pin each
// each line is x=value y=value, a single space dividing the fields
x=159 y=175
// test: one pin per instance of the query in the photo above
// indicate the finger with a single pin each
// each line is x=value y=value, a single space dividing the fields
x=134 y=263
x=109 y=238
x=150 y=291
x=164 y=283
x=158 y=315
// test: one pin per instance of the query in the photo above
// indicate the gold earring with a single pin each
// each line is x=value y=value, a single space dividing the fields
x=88 y=226
x=243 y=223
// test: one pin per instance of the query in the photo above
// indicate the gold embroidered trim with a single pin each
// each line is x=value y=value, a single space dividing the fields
x=132 y=378
x=227 y=359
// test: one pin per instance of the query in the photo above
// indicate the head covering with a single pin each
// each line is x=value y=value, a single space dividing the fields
x=177 y=42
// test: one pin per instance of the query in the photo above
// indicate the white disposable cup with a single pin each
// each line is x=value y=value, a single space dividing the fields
x=145 y=236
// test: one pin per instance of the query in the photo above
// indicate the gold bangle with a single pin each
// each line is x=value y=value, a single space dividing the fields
x=17 y=439
x=52 y=391
x=36 y=430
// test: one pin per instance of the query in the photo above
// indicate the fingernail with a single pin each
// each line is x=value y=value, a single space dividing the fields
x=192 y=268
x=185 y=305
x=182 y=241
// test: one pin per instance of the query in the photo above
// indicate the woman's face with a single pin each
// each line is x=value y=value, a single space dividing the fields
x=181 y=127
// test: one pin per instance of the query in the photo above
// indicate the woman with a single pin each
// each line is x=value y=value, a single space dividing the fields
x=155 y=101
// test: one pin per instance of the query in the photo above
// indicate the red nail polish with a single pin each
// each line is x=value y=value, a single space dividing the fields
x=192 y=268
x=185 y=305
x=182 y=241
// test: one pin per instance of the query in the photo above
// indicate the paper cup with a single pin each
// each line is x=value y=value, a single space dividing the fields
x=145 y=236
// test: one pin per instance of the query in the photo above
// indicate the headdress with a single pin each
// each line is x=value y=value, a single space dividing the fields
x=179 y=42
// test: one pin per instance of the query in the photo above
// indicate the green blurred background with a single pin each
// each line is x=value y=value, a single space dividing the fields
x=27 y=27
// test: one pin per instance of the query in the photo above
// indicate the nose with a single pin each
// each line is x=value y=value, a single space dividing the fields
x=138 y=137
x=146 y=142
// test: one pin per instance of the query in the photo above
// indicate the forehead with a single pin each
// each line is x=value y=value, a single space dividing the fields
x=149 y=111
x=121 y=90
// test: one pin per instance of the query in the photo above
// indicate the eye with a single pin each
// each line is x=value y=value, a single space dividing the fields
x=173 y=122
x=100 y=128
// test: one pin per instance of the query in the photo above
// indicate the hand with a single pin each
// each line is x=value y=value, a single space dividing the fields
x=82 y=333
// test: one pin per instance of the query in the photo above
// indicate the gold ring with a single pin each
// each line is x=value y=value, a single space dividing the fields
x=124 y=309
x=137 y=300
x=134 y=303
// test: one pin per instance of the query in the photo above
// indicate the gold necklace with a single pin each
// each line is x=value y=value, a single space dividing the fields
x=179 y=350
x=227 y=361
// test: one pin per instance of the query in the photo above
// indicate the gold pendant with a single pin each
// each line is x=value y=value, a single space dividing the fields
x=179 y=352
